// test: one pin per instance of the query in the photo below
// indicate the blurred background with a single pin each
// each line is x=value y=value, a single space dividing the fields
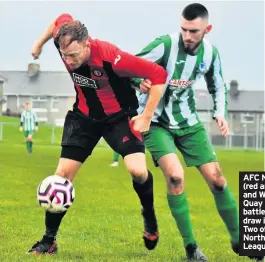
x=105 y=223
x=237 y=32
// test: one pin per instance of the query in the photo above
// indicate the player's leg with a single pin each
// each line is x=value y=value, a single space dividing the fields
x=160 y=142
x=29 y=140
x=26 y=133
x=224 y=198
x=130 y=146
x=67 y=168
x=143 y=186
x=78 y=141
x=224 y=201
x=198 y=151
x=115 y=159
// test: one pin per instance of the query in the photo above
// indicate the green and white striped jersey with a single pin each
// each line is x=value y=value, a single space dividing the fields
x=177 y=107
x=28 y=120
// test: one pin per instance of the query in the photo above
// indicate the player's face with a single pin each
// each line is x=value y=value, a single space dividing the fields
x=27 y=106
x=193 y=31
x=76 y=54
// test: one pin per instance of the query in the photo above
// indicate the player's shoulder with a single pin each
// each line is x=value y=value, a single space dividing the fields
x=167 y=38
x=106 y=49
x=174 y=35
x=104 y=45
x=210 y=46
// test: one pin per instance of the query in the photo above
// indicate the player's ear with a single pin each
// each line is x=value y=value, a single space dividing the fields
x=87 y=43
x=208 y=29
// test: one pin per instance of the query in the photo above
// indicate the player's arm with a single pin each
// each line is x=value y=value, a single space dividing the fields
x=217 y=86
x=21 y=121
x=50 y=33
x=35 y=119
x=218 y=89
x=127 y=65
x=153 y=52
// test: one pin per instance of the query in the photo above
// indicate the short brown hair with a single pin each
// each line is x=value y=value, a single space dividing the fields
x=76 y=30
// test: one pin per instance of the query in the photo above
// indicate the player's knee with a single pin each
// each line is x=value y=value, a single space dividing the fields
x=176 y=183
x=139 y=175
x=219 y=182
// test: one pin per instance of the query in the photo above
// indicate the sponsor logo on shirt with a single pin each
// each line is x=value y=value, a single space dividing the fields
x=84 y=81
x=177 y=85
x=180 y=83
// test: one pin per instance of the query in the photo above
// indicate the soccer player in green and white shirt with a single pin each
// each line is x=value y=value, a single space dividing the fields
x=28 y=124
x=187 y=57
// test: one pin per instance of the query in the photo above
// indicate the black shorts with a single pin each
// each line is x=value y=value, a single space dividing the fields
x=81 y=135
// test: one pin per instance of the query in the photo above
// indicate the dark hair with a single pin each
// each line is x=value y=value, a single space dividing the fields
x=76 y=30
x=194 y=11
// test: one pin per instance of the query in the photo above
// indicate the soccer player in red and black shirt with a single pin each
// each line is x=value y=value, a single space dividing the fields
x=105 y=107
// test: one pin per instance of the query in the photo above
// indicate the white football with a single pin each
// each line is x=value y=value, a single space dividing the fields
x=55 y=194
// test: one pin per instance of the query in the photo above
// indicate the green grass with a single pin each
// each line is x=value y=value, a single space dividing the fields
x=46 y=135
x=9 y=119
x=104 y=224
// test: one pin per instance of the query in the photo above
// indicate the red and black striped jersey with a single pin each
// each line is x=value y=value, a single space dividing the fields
x=102 y=84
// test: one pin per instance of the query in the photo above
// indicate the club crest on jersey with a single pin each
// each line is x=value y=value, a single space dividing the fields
x=202 y=68
x=97 y=73
x=84 y=81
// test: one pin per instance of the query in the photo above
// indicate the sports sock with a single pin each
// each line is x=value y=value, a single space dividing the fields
x=52 y=222
x=28 y=146
x=145 y=192
x=179 y=208
x=227 y=208
x=115 y=157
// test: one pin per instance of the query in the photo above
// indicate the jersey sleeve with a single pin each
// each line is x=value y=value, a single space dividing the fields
x=60 y=20
x=35 y=118
x=154 y=52
x=128 y=65
x=217 y=86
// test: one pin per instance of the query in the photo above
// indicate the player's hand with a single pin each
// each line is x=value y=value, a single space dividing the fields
x=36 y=128
x=21 y=129
x=141 y=123
x=36 y=50
x=145 y=86
x=223 y=125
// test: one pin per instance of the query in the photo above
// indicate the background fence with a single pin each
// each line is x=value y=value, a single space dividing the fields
x=245 y=133
x=47 y=134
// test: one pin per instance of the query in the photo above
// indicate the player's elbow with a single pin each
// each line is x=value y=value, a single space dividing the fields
x=159 y=77
x=64 y=17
